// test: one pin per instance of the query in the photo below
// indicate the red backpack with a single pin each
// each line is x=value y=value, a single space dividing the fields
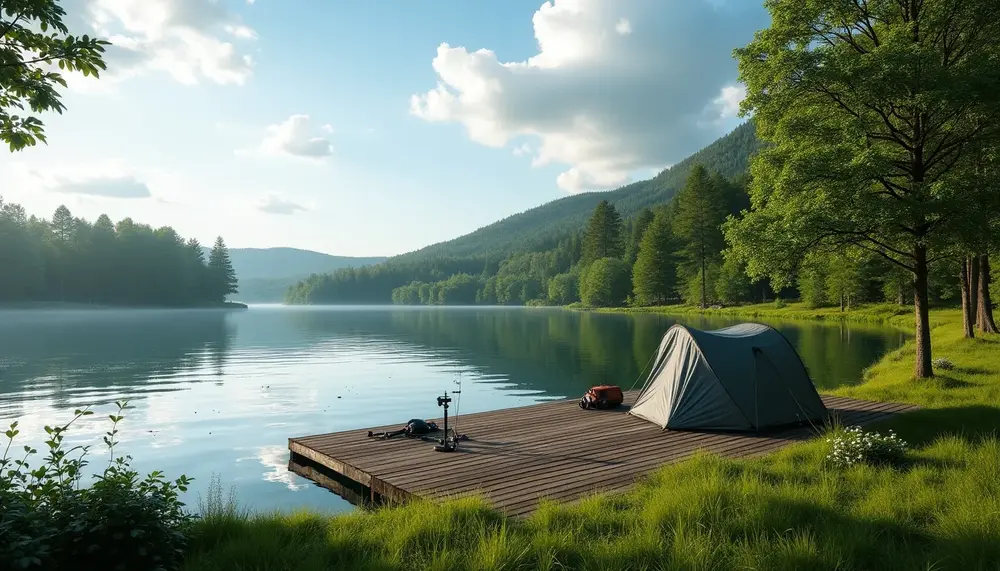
x=602 y=397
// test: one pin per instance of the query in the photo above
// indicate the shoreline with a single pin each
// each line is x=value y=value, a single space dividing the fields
x=885 y=314
x=65 y=305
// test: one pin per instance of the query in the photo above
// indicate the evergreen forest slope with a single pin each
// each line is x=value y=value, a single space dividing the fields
x=543 y=226
x=523 y=251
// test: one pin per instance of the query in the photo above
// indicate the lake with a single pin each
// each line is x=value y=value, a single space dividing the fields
x=219 y=393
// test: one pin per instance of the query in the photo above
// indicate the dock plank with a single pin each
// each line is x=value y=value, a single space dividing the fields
x=517 y=457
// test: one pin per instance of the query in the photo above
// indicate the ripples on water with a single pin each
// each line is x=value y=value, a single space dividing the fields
x=221 y=392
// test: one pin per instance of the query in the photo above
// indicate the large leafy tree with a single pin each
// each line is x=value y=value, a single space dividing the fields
x=33 y=39
x=603 y=237
x=700 y=212
x=870 y=107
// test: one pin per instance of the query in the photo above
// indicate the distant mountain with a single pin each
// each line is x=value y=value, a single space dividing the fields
x=253 y=263
x=266 y=273
x=542 y=226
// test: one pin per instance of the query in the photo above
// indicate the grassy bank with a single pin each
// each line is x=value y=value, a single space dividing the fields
x=790 y=510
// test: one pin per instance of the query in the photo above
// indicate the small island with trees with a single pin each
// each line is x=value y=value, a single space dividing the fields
x=70 y=262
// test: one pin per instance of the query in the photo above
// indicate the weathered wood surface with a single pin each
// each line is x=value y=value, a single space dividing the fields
x=515 y=457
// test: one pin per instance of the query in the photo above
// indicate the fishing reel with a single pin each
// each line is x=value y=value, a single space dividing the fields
x=445 y=444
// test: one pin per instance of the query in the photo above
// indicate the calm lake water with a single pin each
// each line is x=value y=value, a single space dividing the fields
x=220 y=393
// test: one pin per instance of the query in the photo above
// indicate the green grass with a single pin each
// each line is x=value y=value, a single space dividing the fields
x=789 y=510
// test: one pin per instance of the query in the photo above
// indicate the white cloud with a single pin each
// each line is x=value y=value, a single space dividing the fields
x=294 y=137
x=186 y=39
x=111 y=179
x=601 y=96
x=274 y=204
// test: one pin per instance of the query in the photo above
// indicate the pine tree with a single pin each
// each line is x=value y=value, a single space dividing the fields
x=700 y=211
x=63 y=224
x=223 y=280
x=603 y=237
x=639 y=226
x=654 y=277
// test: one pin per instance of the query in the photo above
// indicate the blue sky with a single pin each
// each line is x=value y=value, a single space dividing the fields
x=355 y=130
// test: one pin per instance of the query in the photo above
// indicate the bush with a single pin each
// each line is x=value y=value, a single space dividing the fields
x=943 y=363
x=854 y=446
x=49 y=521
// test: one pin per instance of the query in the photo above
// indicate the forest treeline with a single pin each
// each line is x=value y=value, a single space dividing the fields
x=673 y=252
x=69 y=259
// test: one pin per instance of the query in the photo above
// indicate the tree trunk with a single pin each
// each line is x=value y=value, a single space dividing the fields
x=973 y=287
x=984 y=313
x=922 y=369
x=967 y=310
x=900 y=296
x=704 y=295
x=841 y=302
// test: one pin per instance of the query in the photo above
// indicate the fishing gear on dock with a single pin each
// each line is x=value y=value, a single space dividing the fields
x=421 y=429
x=415 y=427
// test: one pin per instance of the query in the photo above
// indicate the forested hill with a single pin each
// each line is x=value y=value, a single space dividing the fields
x=524 y=252
x=541 y=227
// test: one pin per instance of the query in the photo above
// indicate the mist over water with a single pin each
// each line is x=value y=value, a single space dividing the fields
x=217 y=392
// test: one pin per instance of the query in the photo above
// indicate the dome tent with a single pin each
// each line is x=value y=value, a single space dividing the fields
x=744 y=377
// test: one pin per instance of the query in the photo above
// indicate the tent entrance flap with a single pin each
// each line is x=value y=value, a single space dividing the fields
x=745 y=377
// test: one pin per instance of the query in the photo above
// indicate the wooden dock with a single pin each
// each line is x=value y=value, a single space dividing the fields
x=515 y=457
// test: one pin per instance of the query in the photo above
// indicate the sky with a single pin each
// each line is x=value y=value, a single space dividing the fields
x=364 y=128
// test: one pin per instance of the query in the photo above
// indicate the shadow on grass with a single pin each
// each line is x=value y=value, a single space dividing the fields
x=923 y=426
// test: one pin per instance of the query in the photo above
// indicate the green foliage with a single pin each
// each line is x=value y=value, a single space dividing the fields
x=564 y=289
x=700 y=211
x=32 y=38
x=222 y=277
x=844 y=279
x=68 y=259
x=48 y=521
x=874 y=134
x=654 y=277
x=603 y=236
x=812 y=280
x=733 y=285
x=605 y=283
x=639 y=226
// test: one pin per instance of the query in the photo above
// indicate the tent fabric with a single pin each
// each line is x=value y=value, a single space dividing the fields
x=744 y=377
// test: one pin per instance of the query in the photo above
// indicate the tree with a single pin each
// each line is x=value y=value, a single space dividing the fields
x=604 y=283
x=869 y=110
x=654 y=276
x=843 y=279
x=812 y=281
x=563 y=289
x=32 y=38
x=733 y=285
x=223 y=281
x=984 y=305
x=639 y=226
x=603 y=237
x=701 y=210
